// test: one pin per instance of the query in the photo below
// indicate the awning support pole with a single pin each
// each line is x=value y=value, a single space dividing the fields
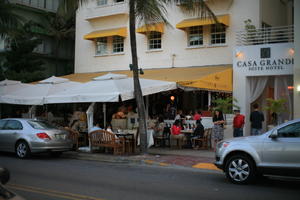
x=90 y=119
x=104 y=115
x=31 y=112
x=209 y=98
x=147 y=107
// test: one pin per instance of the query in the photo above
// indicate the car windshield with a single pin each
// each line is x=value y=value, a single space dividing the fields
x=41 y=124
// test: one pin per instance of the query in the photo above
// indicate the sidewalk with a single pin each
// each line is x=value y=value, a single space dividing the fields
x=190 y=158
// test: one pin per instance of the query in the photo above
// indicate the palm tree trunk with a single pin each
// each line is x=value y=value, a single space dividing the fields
x=137 y=86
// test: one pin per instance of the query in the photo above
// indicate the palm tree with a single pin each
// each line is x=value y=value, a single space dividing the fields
x=150 y=11
x=8 y=19
x=61 y=27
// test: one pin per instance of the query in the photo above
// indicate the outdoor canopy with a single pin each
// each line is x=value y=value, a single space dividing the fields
x=34 y=94
x=9 y=86
x=108 y=88
x=211 y=78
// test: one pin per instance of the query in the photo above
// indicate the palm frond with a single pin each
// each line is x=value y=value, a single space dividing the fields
x=150 y=11
x=198 y=8
x=9 y=21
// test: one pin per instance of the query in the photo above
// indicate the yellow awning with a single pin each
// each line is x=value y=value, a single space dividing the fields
x=106 y=33
x=159 y=27
x=214 y=78
x=224 y=19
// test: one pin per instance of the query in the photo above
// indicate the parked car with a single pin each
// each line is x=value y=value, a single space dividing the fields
x=5 y=193
x=276 y=152
x=26 y=136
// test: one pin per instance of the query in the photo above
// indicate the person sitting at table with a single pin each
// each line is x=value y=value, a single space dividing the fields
x=95 y=127
x=159 y=127
x=179 y=115
x=176 y=134
x=199 y=131
x=189 y=115
x=120 y=114
x=109 y=128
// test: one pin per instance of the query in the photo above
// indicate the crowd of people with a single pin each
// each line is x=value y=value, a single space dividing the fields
x=219 y=123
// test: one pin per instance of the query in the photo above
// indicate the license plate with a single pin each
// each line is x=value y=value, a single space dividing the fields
x=60 y=136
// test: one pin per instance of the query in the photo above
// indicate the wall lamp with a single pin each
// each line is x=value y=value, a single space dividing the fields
x=239 y=54
x=291 y=51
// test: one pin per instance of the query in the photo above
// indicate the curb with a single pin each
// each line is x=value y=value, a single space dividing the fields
x=91 y=157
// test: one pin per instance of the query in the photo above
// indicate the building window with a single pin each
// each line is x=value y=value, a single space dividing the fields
x=118 y=1
x=101 y=46
x=218 y=34
x=101 y=2
x=118 y=44
x=195 y=36
x=154 y=40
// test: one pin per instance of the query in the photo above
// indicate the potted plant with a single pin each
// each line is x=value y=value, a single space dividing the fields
x=276 y=107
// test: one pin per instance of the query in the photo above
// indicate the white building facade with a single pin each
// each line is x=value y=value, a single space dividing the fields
x=103 y=44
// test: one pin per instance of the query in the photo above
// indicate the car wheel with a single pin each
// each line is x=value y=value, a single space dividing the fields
x=22 y=149
x=240 y=169
x=56 y=154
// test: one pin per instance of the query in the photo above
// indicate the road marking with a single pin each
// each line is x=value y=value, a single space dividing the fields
x=150 y=162
x=206 y=166
x=164 y=164
x=53 y=193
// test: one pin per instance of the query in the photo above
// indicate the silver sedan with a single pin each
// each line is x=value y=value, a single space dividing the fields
x=26 y=136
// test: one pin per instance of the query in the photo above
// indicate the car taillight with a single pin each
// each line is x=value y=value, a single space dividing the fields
x=43 y=136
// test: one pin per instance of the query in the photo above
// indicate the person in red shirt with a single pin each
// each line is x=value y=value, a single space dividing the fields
x=197 y=115
x=238 y=124
x=176 y=134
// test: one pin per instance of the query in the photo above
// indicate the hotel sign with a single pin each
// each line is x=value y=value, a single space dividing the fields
x=271 y=59
x=266 y=64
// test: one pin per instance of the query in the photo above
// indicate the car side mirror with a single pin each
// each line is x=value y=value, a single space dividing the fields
x=274 y=134
x=4 y=175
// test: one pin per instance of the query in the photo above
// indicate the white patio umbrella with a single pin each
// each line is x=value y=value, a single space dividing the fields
x=109 y=88
x=34 y=94
x=9 y=86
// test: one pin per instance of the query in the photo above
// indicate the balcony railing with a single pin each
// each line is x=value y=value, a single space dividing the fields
x=270 y=35
x=111 y=8
x=39 y=4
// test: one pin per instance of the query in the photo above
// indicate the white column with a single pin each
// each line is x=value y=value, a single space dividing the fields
x=297 y=60
x=209 y=98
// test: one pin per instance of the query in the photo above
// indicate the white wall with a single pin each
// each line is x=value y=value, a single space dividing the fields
x=242 y=70
x=275 y=12
x=174 y=41
x=297 y=59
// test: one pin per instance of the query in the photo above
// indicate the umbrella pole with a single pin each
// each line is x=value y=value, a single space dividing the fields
x=104 y=115
x=147 y=107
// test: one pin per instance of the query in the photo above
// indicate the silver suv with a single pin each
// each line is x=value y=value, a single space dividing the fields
x=276 y=152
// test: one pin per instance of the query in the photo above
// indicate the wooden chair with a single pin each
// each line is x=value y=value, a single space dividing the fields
x=202 y=143
x=162 y=139
x=103 y=138
x=73 y=135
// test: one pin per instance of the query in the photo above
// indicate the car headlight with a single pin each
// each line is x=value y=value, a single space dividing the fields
x=222 y=144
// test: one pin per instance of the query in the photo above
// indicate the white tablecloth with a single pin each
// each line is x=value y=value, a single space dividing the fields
x=150 y=139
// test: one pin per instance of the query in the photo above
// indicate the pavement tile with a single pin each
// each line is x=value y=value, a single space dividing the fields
x=200 y=161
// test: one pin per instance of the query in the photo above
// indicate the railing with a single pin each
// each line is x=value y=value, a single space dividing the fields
x=39 y=4
x=111 y=8
x=270 y=35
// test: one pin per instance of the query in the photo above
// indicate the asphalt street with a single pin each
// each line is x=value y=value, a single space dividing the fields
x=46 y=178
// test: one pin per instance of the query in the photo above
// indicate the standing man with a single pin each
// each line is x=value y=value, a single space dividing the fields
x=238 y=124
x=256 y=119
